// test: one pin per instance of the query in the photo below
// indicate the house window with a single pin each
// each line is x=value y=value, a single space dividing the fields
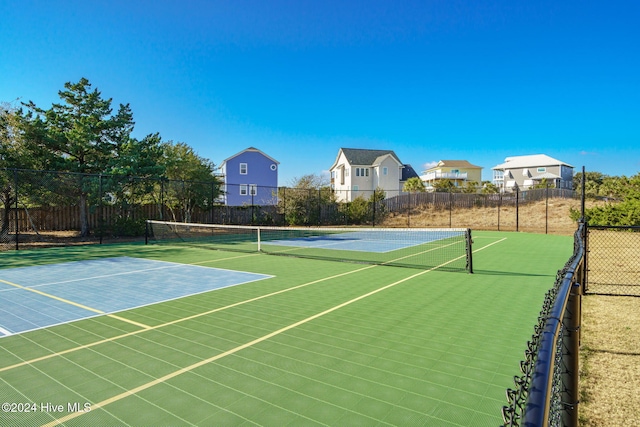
x=362 y=171
x=253 y=189
x=385 y=170
x=243 y=168
x=542 y=170
x=356 y=187
x=244 y=189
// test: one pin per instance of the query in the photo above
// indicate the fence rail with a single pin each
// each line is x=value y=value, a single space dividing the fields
x=546 y=394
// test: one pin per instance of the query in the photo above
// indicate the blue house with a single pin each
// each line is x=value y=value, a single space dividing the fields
x=250 y=178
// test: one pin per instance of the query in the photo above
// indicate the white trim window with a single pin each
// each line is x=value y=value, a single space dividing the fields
x=385 y=170
x=362 y=171
x=244 y=189
x=244 y=168
x=253 y=189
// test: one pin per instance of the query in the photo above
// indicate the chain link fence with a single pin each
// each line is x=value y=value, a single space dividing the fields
x=546 y=393
x=43 y=208
x=613 y=260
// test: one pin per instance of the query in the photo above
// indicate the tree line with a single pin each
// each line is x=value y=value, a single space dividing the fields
x=83 y=134
x=621 y=196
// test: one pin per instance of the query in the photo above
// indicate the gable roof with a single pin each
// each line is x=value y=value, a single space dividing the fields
x=361 y=157
x=454 y=164
x=252 y=149
x=408 y=172
x=517 y=162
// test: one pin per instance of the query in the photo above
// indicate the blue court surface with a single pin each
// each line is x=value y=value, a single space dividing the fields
x=367 y=241
x=47 y=295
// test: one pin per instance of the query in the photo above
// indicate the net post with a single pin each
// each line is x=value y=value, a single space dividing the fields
x=146 y=232
x=469 y=251
x=259 y=243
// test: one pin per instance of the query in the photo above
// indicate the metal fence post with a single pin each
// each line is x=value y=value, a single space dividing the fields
x=450 y=207
x=546 y=212
x=161 y=199
x=570 y=394
x=100 y=209
x=409 y=210
x=499 y=209
x=319 y=207
x=213 y=189
x=17 y=223
x=284 y=205
x=373 y=206
x=517 y=209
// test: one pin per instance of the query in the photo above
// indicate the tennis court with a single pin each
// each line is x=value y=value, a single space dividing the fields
x=181 y=335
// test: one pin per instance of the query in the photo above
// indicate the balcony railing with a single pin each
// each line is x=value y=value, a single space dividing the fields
x=444 y=175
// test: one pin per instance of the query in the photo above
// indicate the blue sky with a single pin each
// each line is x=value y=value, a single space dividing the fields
x=433 y=79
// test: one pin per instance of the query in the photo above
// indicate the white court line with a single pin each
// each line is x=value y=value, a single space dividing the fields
x=5 y=332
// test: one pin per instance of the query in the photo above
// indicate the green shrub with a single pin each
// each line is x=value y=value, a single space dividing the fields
x=127 y=227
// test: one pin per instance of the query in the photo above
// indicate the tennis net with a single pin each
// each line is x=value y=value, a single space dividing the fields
x=443 y=248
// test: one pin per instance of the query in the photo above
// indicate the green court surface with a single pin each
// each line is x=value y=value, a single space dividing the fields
x=319 y=343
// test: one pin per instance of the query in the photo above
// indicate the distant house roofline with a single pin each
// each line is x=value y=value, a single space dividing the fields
x=517 y=162
x=453 y=164
x=252 y=149
x=365 y=157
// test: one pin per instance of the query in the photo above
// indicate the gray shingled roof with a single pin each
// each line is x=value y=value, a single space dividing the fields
x=359 y=156
x=408 y=172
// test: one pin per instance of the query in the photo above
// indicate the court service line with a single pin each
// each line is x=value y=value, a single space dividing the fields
x=75 y=304
x=196 y=365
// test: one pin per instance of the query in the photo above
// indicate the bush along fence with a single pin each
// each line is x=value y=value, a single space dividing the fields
x=49 y=207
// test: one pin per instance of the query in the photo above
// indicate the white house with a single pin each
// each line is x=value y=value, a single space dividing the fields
x=524 y=172
x=358 y=172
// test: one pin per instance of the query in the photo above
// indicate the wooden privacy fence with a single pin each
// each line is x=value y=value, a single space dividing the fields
x=67 y=218
x=64 y=218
